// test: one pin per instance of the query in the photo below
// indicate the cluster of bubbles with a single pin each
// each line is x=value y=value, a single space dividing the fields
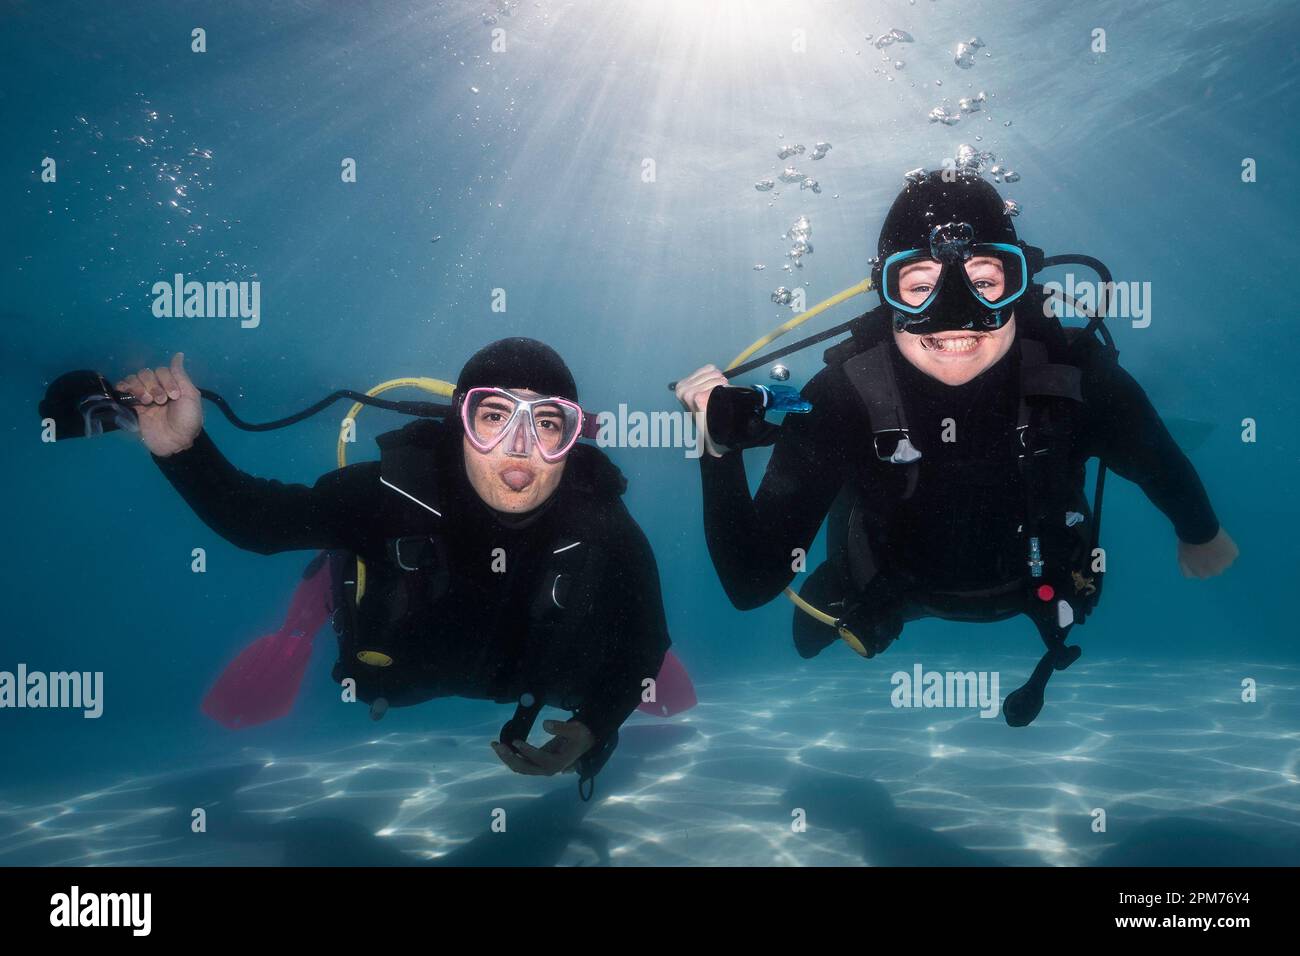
x=799 y=235
x=882 y=43
x=941 y=114
x=791 y=174
x=975 y=160
x=972 y=160
x=889 y=39
x=798 y=149
x=175 y=173
x=115 y=178
x=964 y=55
x=782 y=296
x=504 y=8
x=965 y=106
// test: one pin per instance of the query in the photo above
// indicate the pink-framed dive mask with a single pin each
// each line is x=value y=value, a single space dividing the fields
x=493 y=416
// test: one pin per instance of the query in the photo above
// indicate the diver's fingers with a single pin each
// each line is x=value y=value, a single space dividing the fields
x=683 y=387
x=153 y=392
x=703 y=378
x=547 y=763
x=168 y=381
x=702 y=396
x=182 y=377
x=133 y=385
x=513 y=760
x=694 y=393
x=688 y=385
x=569 y=729
x=1190 y=565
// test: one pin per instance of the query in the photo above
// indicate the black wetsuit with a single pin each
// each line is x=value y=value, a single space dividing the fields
x=477 y=642
x=958 y=530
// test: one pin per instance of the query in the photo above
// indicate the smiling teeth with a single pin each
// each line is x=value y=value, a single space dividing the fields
x=965 y=343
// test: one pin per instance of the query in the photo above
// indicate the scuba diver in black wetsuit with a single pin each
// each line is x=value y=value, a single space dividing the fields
x=488 y=555
x=947 y=438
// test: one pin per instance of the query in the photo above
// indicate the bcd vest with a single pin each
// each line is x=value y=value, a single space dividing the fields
x=386 y=611
x=1059 y=530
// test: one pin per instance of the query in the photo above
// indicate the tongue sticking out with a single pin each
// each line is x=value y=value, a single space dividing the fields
x=517 y=479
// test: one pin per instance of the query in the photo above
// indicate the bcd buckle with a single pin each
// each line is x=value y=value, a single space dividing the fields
x=902 y=452
x=412 y=553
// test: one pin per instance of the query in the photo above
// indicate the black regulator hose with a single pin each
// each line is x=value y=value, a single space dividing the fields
x=83 y=403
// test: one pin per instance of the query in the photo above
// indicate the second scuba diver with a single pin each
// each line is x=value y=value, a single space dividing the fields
x=487 y=556
x=951 y=432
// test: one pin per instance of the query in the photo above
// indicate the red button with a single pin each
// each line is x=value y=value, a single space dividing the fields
x=1045 y=592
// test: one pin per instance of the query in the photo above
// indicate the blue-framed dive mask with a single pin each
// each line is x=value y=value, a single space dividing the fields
x=954 y=284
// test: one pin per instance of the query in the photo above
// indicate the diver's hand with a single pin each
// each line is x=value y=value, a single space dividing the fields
x=557 y=755
x=170 y=409
x=875 y=628
x=693 y=392
x=1209 y=559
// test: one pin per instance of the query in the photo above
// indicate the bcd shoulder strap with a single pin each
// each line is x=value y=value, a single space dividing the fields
x=871 y=373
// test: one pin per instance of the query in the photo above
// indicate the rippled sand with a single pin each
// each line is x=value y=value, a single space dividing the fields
x=1186 y=773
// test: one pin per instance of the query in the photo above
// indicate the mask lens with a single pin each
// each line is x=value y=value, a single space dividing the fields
x=487 y=414
x=996 y=273
x=556 y=426
x=100 y=414
x=911 y=280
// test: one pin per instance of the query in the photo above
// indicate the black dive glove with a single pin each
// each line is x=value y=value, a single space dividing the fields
x=875 y=619
x=735 y=418
x=736 y=414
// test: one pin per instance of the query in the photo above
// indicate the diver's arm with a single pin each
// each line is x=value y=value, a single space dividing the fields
x=268 y=516
x=1127 y=432
x=752 y=540
x=631 y=619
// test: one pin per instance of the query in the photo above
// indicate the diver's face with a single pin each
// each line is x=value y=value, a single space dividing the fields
x=512 y=477
x=954 y=358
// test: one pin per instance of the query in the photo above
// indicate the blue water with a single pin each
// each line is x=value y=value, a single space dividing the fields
x=535 y=185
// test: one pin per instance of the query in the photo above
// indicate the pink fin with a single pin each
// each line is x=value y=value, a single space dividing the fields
x=674 y=691
x=261 y=684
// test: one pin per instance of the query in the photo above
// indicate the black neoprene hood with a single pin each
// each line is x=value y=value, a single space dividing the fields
x=933 y=202
x=520 y=363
